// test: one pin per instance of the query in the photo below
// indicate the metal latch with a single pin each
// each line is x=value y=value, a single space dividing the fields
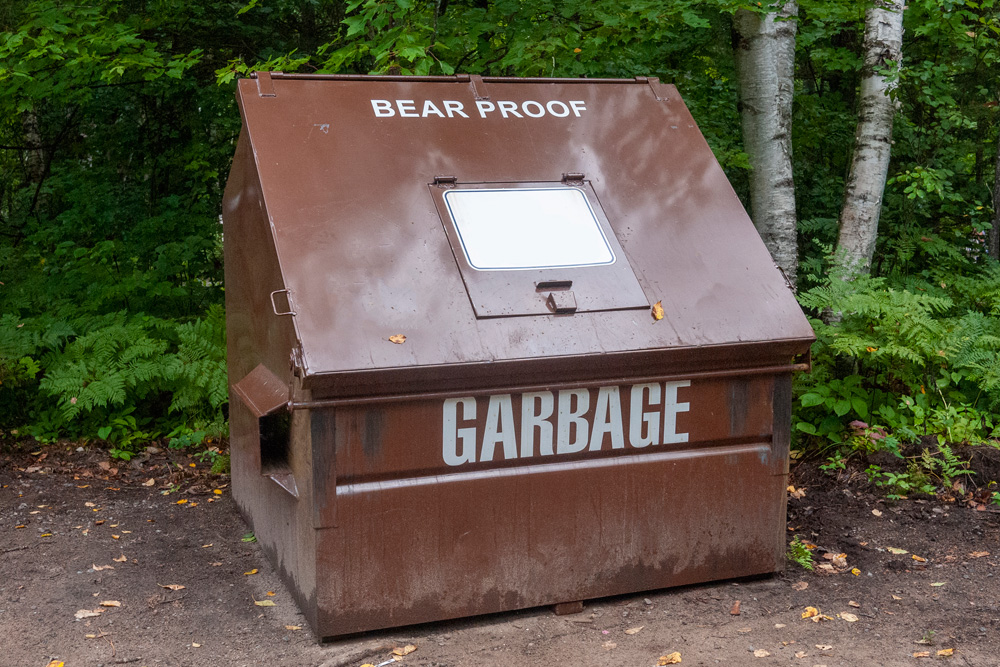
x=573 y=177
x=445 y=180
x=288 y=299
x=561 y=302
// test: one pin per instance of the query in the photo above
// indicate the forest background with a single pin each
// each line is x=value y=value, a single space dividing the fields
x=118 y=124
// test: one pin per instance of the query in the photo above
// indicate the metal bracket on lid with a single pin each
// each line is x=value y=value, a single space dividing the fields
x=445 y=181
x=265 y=86
x=573 y=177
x=288 y=298
x=654 y=85
x=478 y=87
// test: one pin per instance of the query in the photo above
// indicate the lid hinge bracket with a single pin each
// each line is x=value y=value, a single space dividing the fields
x=573 y=178
x=265 y=85
x=478 y=87
x=445 y=181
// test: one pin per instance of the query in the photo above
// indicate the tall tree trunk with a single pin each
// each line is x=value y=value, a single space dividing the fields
x=872 y=140
x=993 y=238
x=34 y=157
x=765 y=61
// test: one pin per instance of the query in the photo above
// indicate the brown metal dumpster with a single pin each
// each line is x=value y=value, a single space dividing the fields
x=450 y=395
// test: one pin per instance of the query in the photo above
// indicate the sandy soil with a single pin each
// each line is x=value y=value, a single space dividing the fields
x=77 y=529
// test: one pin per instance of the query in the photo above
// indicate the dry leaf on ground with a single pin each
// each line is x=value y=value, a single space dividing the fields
x=253 y=571
x=853 y=603
x=607 y=646
x=658 y=315
x=824 y=647
x=265 y=603
x=398 y=339
x=876 y=512
x=801 y=654
x=921 y=654
x=918 y=558
x=761 y=653
x=945 y=652
x=897 y=551
x=149 y=482
x=856 y=572
x=110 y=603
x=979 y=554
x=850 y=618
x=98 y=568
x=735 y=609
x=800 y=586
x=173 y=587
x=87 y=613
x=120 y=559
x=634 y=631
x=293 y=627
x=406 y=650
x=939 y=583
x=669 y=659
x=810 y=612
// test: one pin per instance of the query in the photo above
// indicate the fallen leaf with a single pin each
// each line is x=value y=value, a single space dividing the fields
x=120 y=559
x=99 y=522
x=921 y=654
x=810 y=612
x=945 y=652
x=799 y=492
x=671 y=658
x=181 y=501
x=779 y=625
x=272 y=593
x=46 y=535
x=939 y=583
x=658 y=315
x=217 y=492
x=205 y=546
x=253 y=571
x=850 y=618
x=216 y=564
x=854 y=604
x=110 y=603
x=877 y=512
x=293 y=627
x=56 y=663
x=761 y=653
x=979 y=554
x=824 y=647
x=88 y=613
x=406 y=650
x=918 y=558
x=98 y=568
x=116 y=537
x=398 y=339
x=265 y=603
x=634 y=631
x=195 y=644
x=801 y=586
x=743 y=631
x=89 y=504
x=801 y=654
x=856 y=572
x=897 y=551
x=173 y=587
x=607 y=646
x=896 y=597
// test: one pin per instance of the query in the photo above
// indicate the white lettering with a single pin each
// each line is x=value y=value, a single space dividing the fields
x=670 y=409
x=453 y=107
x=637 y=417
x=510 y=107
x=484 y=107
x=578 y=106
x=429 y=108
x=537 y=114
x=382 y=108
x=452 y=435
x=568 y=417
x=607 y=419
x=407 y=106
x=499 y=428
x=531 y=420
x=549 y=105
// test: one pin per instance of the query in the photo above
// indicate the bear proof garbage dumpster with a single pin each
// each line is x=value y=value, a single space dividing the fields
x=453 y=392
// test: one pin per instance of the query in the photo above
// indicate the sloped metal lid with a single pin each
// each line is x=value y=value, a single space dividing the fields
x=349 y=167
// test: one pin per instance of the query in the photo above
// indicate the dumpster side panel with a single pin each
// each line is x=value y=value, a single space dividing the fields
x=423 y=541
x=256 y=336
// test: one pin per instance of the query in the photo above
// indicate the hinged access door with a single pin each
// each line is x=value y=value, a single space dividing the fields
x=535 y=248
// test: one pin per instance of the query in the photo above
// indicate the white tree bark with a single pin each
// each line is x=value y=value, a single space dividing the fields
x=765 y=63
x=872 y=140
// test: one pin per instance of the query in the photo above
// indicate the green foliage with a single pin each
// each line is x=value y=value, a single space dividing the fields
x=799 y=554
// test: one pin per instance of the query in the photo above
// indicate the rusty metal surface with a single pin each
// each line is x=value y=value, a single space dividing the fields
x=495 y=462
x=365 y=254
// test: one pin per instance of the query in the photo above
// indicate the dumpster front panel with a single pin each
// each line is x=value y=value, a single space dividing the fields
x=495 y=502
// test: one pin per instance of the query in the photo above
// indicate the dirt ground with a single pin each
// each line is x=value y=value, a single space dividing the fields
x=79 y=531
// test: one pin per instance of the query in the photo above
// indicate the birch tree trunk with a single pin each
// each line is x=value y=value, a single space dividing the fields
x=872 y=140
x=765 y=63
x=993 y=238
